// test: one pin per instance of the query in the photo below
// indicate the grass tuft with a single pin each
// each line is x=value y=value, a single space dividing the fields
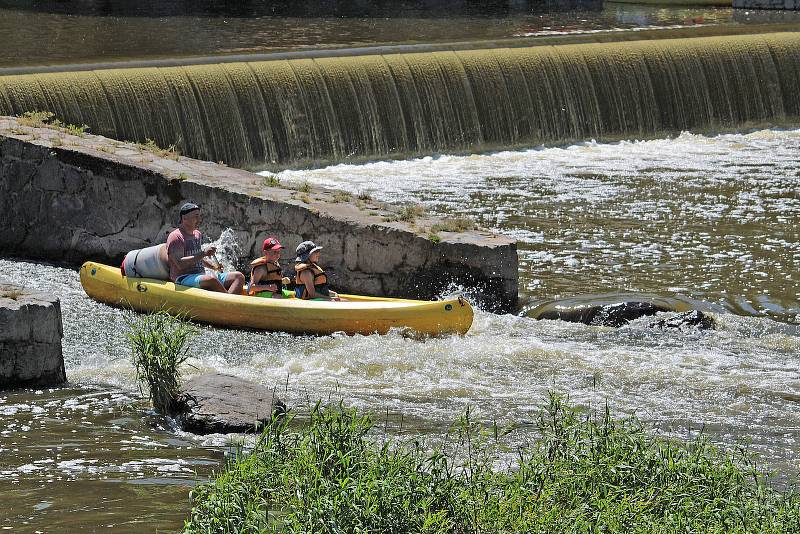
x=408 y=213
x=79 y=131
x=45 y=119
x=12 y=294
x=456 y=224
x=272 y=181
x=586 y=472
x=342 y=196
x=35 y=119
x=158 y=343
x=170 y=152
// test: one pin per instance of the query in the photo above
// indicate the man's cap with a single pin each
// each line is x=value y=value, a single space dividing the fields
x=304 y=250
x=188 y=208
x=271 y=243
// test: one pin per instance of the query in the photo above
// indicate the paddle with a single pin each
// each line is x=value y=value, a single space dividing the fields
x=219 y=267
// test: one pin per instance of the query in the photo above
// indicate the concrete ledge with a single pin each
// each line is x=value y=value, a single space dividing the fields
x=30 y=338
x=77 y=197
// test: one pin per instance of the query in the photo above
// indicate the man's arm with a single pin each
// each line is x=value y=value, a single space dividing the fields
x=175 y=255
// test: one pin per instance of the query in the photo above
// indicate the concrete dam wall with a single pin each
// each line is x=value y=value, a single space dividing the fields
x=327 y=109
x=72 y=198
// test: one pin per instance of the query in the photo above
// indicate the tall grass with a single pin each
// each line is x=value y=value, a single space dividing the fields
x=584 y=473
x=158 y=344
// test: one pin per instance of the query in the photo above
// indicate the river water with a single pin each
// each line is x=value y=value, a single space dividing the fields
x=708 y=222
x=98 y=32
x=692 y=218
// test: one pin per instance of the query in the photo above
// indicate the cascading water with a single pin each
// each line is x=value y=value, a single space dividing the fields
x=334 y=109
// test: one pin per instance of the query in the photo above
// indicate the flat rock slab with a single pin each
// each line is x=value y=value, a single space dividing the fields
x=30 y=338
x=218 y=403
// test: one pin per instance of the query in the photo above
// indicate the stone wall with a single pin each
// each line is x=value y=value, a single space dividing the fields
x=73 y=198
x=767 y=4
x=30 y=338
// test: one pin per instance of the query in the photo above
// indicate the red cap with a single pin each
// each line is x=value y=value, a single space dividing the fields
x=271 y=243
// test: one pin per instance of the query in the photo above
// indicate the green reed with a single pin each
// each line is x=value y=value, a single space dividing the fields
x=586 y=472
x=158 y=344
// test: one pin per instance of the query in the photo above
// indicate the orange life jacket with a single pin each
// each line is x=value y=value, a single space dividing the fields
x=273 y=275
x=320 y=279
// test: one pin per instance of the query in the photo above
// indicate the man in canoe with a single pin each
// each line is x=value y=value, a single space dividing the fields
x=311 y=282
x=266 y=274
x=186 y=257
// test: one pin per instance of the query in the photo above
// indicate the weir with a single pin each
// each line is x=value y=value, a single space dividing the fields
x=278 y=113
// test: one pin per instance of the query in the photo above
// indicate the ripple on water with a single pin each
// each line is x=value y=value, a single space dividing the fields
x=85 y=449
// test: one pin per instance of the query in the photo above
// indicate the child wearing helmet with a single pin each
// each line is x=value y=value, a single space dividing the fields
x=311 y=282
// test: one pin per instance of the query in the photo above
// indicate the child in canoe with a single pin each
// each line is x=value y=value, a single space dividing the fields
x=311 y=282
x=266 y=276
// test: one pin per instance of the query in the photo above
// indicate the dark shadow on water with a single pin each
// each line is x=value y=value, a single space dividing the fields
x=300 y=8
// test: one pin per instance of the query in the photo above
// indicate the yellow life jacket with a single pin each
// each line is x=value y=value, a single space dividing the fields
x=273 y=276
x=320 y=279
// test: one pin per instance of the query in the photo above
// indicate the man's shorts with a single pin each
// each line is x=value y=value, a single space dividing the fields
x=193 y=280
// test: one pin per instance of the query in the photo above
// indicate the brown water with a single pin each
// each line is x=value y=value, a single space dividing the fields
x=83 y=458
x=47 y=37
x=704 y=221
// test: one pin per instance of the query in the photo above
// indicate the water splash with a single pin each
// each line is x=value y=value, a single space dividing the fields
x=229 y=251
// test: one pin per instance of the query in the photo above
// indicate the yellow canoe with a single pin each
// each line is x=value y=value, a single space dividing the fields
x=358 y=315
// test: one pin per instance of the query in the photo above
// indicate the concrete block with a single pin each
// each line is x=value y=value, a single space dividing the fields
x=30 y=338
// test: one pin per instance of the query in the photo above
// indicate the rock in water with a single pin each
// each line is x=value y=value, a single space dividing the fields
x=218 y=403
x=694 y=319
x=615 y=315
x=579 y=314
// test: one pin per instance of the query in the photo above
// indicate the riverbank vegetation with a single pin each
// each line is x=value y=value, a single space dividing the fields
x=159 y=347
x=585 y=472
